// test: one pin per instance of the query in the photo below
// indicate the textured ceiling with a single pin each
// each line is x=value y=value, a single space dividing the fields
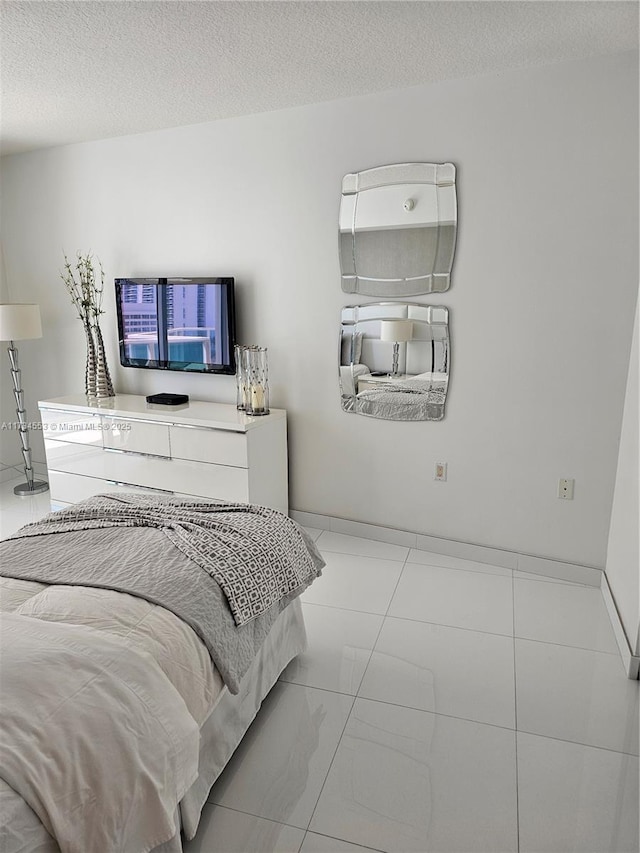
x=74 y=71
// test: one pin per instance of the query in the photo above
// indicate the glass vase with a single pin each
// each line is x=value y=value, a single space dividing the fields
x=257 y=381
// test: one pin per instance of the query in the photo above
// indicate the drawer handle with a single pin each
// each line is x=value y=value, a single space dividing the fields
x=137 y=453
x=127 y=419
x=140 y=488
x=208 y=428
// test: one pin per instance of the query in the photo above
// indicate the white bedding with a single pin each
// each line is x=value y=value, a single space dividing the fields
x=129 y=761
x=172 y=644
x=181 y=660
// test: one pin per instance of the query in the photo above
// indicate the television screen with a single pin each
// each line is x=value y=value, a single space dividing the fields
x=177 y=323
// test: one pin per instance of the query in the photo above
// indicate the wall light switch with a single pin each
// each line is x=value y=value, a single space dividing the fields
x=441 y=471
x=565 y=489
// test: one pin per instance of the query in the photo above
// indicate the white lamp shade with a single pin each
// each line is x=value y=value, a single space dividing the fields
x=398 y=331
x=19 y=322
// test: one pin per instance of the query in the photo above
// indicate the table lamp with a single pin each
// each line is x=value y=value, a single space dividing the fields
x=21 y=323
x=398 y=331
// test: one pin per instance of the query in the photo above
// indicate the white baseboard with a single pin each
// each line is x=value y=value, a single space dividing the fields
x=557 y=569
x=572 y=572
x=468 y=551
x=541 y=566
x=631 y=662
x=355 y=528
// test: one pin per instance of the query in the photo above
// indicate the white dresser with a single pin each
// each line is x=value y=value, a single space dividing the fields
x=123 y=443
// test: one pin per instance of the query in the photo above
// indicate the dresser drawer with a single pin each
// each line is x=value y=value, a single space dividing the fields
x=220 y=447
x=114 y=470
x=151 y=471
x=216 y=482
x=75 y=427
x=63 y=455
x=136 y=436
x=68 y=489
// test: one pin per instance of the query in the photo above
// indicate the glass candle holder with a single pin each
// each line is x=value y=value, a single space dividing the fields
x=257 y=380
x=241 y=386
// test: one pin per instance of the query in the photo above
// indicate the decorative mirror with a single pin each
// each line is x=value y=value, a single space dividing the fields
x=398 y=229
x=394 y=360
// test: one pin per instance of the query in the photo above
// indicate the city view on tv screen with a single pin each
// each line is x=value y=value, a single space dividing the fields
x=176 y=323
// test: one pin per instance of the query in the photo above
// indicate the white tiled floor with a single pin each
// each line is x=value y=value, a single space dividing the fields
x=442 y=707
x=15 y=511
x=484 y=720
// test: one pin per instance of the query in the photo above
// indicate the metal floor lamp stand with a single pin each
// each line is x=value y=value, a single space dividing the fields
x=32 y=486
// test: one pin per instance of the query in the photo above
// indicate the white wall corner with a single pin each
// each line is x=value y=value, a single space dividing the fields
x=631 y=662
x=623 y=548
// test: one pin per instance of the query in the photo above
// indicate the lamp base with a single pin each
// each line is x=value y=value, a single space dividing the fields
x=35 y=488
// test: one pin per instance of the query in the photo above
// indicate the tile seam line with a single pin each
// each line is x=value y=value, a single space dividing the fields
x=506 y=572
x=333 y=758
x=251 y=814
x=382 y=623
x=476 y=722
x=355 y=697
x=409 y=707
x=580 y=743
x=335 y=838
x=566 y=646
x=417 y=621
x=402 y=560
x=440 y=714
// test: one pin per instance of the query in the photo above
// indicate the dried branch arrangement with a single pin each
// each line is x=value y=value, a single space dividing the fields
x=86 y=290
x=83 y=287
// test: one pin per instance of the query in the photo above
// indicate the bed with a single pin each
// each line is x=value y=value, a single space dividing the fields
x=139 y=638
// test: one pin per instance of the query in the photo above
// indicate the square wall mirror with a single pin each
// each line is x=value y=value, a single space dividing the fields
x=394 y=360
x=397 y=229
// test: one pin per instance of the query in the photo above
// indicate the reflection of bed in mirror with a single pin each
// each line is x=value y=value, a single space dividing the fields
x=383 y=377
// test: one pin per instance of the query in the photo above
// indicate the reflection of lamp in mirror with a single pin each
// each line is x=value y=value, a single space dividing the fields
x=398 y=331
x=21 y=323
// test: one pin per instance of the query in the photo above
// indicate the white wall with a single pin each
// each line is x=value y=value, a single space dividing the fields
x=544 y=284
x=623 y=552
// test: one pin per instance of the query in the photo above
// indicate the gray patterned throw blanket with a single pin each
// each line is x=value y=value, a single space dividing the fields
x=257 y=555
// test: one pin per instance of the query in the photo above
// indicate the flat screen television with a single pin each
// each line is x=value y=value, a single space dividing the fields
x=177 y=323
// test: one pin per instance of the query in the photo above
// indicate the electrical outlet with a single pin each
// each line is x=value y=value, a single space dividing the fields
x=440 y=471
x=565 y=489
